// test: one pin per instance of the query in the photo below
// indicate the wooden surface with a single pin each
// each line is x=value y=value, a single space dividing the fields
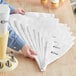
x=64 y=66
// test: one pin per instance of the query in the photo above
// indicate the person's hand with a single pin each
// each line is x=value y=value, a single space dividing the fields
x=28 y=52
x=19 y=11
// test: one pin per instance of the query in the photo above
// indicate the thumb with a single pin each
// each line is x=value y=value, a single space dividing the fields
x=30 y=55
x=33 y=52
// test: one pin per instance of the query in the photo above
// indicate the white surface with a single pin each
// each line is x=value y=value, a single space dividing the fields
x=43 y=32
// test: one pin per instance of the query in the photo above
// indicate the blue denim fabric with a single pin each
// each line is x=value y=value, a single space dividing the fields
x=11 y=7
x=14 y=41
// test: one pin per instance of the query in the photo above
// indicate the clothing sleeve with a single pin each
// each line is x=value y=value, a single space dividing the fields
x=14 y=41
x=10 y=6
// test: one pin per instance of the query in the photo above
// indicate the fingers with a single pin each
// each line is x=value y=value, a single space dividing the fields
x=22 y=12
x=30 y=54
x=33 y=52
x=19 y=11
